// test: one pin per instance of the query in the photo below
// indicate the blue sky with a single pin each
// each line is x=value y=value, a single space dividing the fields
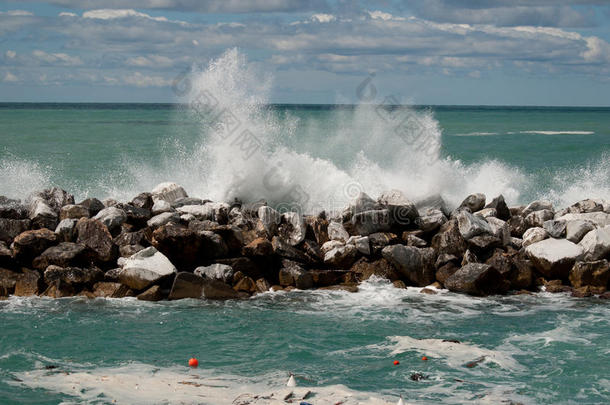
x=498 y=52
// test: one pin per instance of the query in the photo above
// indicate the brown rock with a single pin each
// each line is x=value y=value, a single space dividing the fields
x=323 y=278
x=590 y=273
x=28 y=283
x=95 y=235
x=10 y=228
x=59 y=289
x=30 y=244
x=8 y=279
x=283 y=249
x=399 y=284
x=152 y=294
x=182 y=246
x=291 y=274
x=476 y=279
x=246 y=284
x=6 y=256
x=317 y=229
x=217 y=290
x=143 y=200
x=364 y=268
x=73 y=211
x=186 y=285
x=105 y=289
x=582 y=292
x=262 y=285
x=556 y=286
x=66 y=254
x=446 y=271
x=449 y=240
x=258 y=247
x=428 y=291
x=73 y=276
x=340 y=287
x=517 y=226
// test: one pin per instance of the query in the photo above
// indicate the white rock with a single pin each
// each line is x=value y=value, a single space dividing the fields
x=293 y=227
x=169 y=192
x=596 y=244
x=554 y=257
x=330 y=245
x=201 y=212
x=538 y=218
x=537 y=206
x=363 y=245
x=161 y=206
x=471 y=226
x=216 y=271
x=486 y=213
x=341 y=256
x=145 y=268
x=577 y=229
x=500 y=229
x=431 y=220
x=270 y=219
x=112 y=217
x=600 y=219
x=336 y=231
x=162 y=219
x=534 y=235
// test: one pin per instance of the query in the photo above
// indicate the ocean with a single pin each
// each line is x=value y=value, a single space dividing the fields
x=543 y=348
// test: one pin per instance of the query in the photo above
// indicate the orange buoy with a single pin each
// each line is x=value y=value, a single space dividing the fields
x=193 y=362
x=424 y=358
x=396 y=362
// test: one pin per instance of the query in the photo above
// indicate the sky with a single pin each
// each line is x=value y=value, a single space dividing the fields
x=473 y=52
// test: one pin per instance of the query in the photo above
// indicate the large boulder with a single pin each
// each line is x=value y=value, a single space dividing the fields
x=341 y=256
x=8 y=279
x=500 y=230
x=95 y=235
x=367 y=222
x=596 y=244
x=517 y=226
x=285 y=250
x=600 y=219
x=153 y=293
x=12 y=209
x=415 y=264
x=145 y=268
x=554 y=258
x=555 y=229
x=73 y=276
x=216 y=271
x=292 y=274
x=169 y=192
x=93 y=205
x=42 y=215
x=365 y=268
x=402 y=211
x=537 y=205
x=595 y=273
x=471 y=225
x=143 y=200
x=28 y=283
x=30 y=244
x=6 y=256
x=474 y=202
x=9 y=228
x=337 y=232
x=112 y=217
x=317 y=229
x=502 y=210
x=163 y=219
x=534 y=235
x=66 y=254
x=187 y=285
x=270 y=219
x=449 y=240
x=476 y=279
x=217 y=290
x=577 y=229
x=292 y=228
x=161 y=206
x=259 y=247
x=538 y=218
x=66 y=230
x=362 y=202
x=201 y=212
x=431 y=220
x=107 y=289
x=73 y=211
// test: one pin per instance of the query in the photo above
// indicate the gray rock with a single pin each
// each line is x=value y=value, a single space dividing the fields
x=502 y=210
x=95 y=235
x=143 y=200
x=292 y=229
x=93 y=205
x=65 y=230
x=181 y=202
x=112 y=217
x=417 y=265
x=270 y=219
x=291 y=274
x=500 y=230
x=600 y=219
x=554 y=258
x=73 y=276
x=363 y=202
x=537 y=206
x=474 y=202
x=476 y=279
x=66 y=254
x=402 y=211
x=596 y=244
x=517 y=226
x=10 y=228
x=367 y=222
x=431 y=220
x=363 y=245
x=187 y=285
x=412 y=240
x=12 y=209
x=30 y=244
x=42 y=214
x=161 y=206
x=555 y=229
x=283 y=249
x=216 y=271
x=217 y=290
x=517 y=243
x=434 y=202
x=486 y=212
x=337 y=232
x=201 y=212
x=449 y=240
x=169 y=192
x=577 y=229
x=145 y=268
x=538 y=218
x=163 y=219
x=471 y=226
x=534 y=235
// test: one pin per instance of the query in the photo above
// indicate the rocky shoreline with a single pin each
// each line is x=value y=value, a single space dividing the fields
x=167 y=245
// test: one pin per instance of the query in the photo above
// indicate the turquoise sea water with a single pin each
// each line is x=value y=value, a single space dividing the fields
x=533 y=349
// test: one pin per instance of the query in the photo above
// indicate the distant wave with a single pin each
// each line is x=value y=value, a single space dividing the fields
x=477 y=134
x=554 y=132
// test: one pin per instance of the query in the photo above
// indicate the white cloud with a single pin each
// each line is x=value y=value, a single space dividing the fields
x=323 y=18
x=150 y=61
x=61 y=59
x=16 y=13
x=111 y=14
x=10 y=78
x=10 y=54
x=67 y=14
x=141 y=80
